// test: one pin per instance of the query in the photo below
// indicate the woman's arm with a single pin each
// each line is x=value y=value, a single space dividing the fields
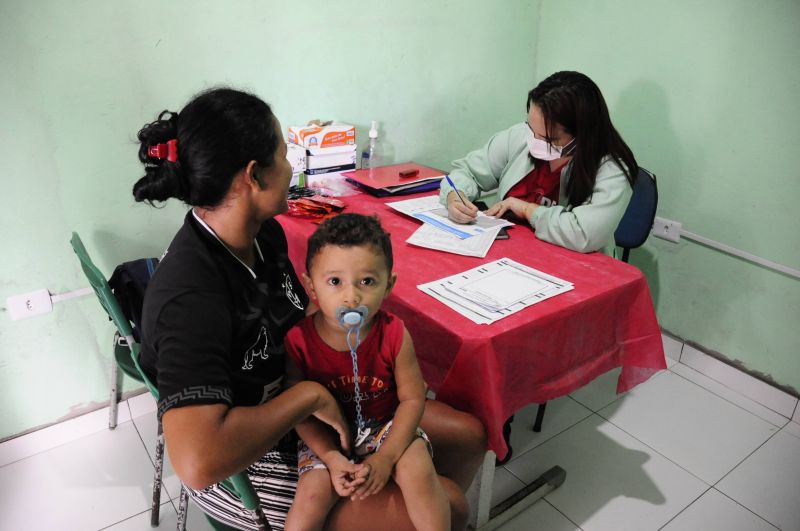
x=313 y=432
x=480 y=170
x=208 y=443
x=590 y=226
x=411 y=395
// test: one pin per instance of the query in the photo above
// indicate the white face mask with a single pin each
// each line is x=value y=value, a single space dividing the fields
x=542 y=150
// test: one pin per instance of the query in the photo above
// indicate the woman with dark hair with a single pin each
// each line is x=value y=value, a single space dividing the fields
x=216 y=312
x=566 y=171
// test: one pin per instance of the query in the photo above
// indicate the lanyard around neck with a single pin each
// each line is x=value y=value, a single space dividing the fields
x=211 y=231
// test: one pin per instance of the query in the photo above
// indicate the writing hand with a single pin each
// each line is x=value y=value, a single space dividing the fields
x=458 y=211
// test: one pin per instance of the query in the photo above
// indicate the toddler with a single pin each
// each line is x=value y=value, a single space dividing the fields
x=365 y=357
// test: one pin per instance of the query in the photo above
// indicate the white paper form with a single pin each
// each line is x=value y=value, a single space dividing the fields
x=428 y=210
x=492 y=291
x=502 y=288
x=409 y=207
x=432 y=238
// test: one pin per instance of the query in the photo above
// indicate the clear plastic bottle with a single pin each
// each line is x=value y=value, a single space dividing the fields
x=372 y=156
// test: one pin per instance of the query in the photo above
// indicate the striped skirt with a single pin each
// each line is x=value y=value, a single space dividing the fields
x=274 y=478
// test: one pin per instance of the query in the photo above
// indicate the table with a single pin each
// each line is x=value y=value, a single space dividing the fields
x=538 y=354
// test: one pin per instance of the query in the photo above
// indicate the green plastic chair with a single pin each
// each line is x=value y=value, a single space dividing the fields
x=239 y=483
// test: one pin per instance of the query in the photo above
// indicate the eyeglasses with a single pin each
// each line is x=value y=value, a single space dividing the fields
x=547 y=139
x=551 y=140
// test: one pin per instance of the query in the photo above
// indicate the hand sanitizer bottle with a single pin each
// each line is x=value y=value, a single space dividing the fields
x=372 y=156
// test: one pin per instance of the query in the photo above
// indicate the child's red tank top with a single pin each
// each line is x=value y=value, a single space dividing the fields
x=334 y=369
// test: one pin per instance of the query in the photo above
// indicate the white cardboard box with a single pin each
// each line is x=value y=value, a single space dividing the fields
x=330 y=157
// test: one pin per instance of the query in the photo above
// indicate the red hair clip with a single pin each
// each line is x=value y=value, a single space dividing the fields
x=167 y=151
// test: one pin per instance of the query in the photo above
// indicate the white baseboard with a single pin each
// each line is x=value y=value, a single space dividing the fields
x=72 y=429
x=672 y=347
x=760 y=392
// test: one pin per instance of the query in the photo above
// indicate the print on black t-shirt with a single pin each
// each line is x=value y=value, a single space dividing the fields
x=212 y=332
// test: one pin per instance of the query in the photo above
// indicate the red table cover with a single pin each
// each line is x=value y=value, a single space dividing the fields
x=540 y=353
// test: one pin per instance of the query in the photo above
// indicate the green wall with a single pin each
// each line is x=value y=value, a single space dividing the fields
x=708 y=96
x=80 y=78
x=705 y=93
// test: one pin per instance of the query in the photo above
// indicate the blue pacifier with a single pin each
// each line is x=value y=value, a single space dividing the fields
x=351 y=317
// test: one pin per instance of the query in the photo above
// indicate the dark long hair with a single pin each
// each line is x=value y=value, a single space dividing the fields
x=219 y=132
x=574 y=101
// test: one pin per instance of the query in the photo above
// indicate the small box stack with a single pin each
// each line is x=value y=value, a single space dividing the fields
x=328 y=148
x=297 y=158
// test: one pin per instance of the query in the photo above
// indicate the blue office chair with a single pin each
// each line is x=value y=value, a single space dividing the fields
x=632 y=232
x=635 y=225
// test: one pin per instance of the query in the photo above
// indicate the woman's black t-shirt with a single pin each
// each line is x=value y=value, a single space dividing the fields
x=212 y=328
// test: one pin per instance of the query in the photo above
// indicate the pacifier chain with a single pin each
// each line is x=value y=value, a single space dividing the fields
x=352 y=320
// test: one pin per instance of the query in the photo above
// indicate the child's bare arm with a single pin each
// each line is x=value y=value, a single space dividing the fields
x=411 y=394
x=312 y=431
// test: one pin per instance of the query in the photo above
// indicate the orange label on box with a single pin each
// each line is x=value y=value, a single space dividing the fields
x=314 y=136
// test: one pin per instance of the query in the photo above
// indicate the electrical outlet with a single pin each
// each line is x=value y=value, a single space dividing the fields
x=667 y=229
x=29 y=304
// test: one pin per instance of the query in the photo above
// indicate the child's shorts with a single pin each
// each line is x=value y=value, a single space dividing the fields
x=308 y=460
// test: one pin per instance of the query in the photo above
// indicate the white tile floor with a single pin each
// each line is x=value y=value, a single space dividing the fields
x=679 y=452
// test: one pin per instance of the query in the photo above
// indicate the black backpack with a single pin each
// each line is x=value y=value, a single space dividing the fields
x=128 y=283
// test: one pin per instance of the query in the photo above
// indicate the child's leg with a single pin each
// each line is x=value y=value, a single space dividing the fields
x=425 y=499
x=312 y=502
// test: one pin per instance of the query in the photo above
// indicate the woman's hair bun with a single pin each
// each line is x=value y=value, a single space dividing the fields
x=216 y=135
x=162 y=179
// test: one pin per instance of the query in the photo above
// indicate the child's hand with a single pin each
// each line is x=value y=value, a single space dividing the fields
x=375 y=470
x=344 y=475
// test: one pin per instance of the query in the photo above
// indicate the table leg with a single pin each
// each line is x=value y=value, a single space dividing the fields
x=518 y=502
x=479 y=494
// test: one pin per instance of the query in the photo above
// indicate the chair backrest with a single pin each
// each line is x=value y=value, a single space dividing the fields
x=634 y=228
x=110 y=304
x=240 y=483
x=129 y=282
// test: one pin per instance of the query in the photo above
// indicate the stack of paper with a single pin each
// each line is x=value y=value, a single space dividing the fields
x=495 y=290
x=440 y=233
x=430 y=237
x=397 y=179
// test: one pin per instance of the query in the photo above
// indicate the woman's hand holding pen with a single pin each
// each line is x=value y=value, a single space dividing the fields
x=460 y=209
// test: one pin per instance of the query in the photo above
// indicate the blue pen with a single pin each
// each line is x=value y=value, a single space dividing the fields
x=455 y=189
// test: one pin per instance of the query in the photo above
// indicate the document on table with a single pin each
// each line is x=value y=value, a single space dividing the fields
x=432 y=238
x=428 y=210
x=495 y=290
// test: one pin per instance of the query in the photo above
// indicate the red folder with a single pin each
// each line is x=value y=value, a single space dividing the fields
x=386 y=180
